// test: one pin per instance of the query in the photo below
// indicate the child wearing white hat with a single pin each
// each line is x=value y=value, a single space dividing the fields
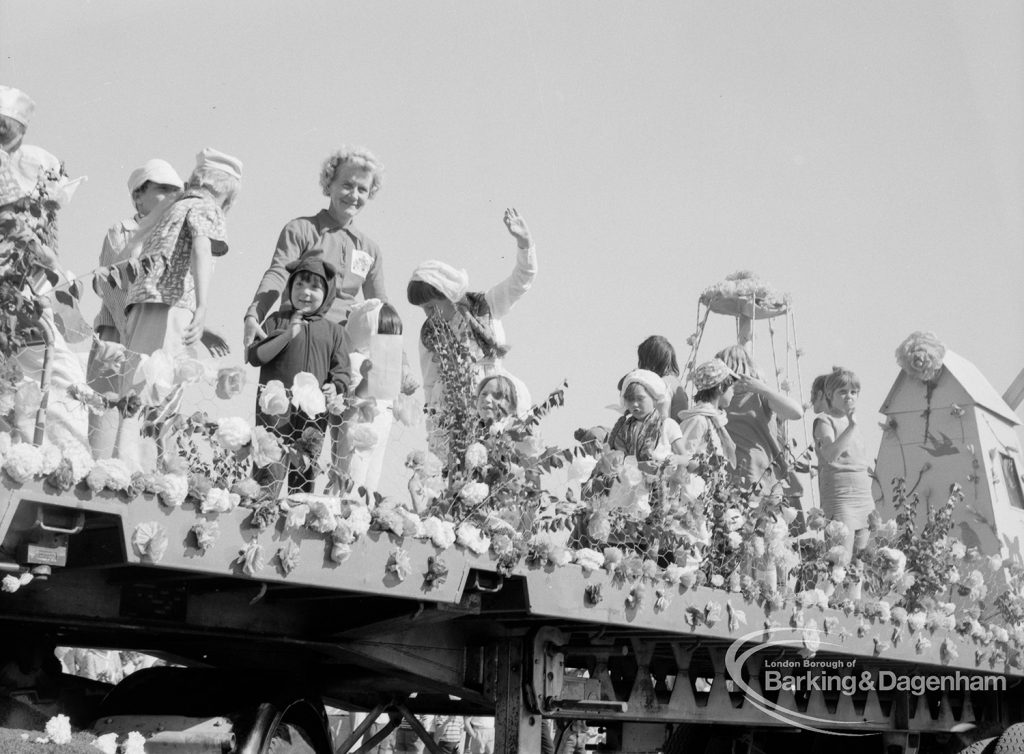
x=167 y=304
x=473 y=318
x=28 y=172
x=149 y=186
x=16 y=109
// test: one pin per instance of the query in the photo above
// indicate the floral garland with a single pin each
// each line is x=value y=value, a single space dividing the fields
x=909 y=580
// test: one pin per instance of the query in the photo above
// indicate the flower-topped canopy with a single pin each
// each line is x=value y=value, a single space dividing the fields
x=921 y=355
x=745 y=294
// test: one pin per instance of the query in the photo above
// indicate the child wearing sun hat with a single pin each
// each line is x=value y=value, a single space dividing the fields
x=703 y=424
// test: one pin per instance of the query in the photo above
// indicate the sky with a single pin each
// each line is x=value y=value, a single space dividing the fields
x=864 y=157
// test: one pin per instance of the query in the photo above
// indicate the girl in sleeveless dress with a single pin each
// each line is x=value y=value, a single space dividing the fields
x=843 y=479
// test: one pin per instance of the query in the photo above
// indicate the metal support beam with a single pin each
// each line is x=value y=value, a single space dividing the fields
x=517 y=730
x=368 y=721
x=683 y=681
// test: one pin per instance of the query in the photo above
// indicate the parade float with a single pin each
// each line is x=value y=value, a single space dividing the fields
x=650 y=604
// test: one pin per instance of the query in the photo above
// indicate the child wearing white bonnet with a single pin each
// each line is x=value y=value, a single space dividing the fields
x=645 y=430
x=472 y=319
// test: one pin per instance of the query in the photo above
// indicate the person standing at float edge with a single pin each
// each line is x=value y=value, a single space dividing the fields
x=148 y=186
x=349 y=178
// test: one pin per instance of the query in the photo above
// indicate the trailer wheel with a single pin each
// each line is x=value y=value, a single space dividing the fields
x=1012 y=740
x=984 y=746
x=288 y=738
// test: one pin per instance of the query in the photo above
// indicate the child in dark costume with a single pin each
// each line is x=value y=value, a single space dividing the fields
x=303 y=340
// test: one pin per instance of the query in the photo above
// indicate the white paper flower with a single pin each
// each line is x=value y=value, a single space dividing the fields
x=296 y=514
x=109 y=473
x=107 y=743
x=219 y=501
x=921 y=355
x=399 y=564
x=589 y=559
x=581 y=468
x=474 y=493
x=188 y=370
x=58 y=730
x=51 y=458
x=476 y=456
x=916 y=620
x=470 y=537
x=363 y=436
x=233 y=432
x=23 y=462
x=273 y=398
x=79 y=456
x=440 y=533
x=307 y=396
x=266 y=448
x=206 y=533
x=340 y=551
x=134 y=744
x=150 y=540
x=156 y=375
x=172 y=489
x=412 y=525
x=693 y=488
x=323 y=515
x=895 y=561
x=359 y=519
x=10 y=584
x=251 y=558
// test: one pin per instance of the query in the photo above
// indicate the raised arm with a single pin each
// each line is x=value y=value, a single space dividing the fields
x=290 y=246
x=781 y=404
x=502 y=297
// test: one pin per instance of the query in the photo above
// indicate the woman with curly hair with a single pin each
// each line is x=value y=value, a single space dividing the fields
x=349 y=178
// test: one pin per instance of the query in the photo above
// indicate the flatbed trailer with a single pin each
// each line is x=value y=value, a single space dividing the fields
x=658 y=666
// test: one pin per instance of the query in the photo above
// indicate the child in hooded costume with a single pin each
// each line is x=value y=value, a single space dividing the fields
x=303 y=340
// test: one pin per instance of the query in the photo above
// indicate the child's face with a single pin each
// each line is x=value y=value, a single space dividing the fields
x=844 y=399
x=442 y=306
x=492 y=404
x=151 y=195
x=725 y=399
x=638 y=402
x=308 y=291
x=349 y=191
